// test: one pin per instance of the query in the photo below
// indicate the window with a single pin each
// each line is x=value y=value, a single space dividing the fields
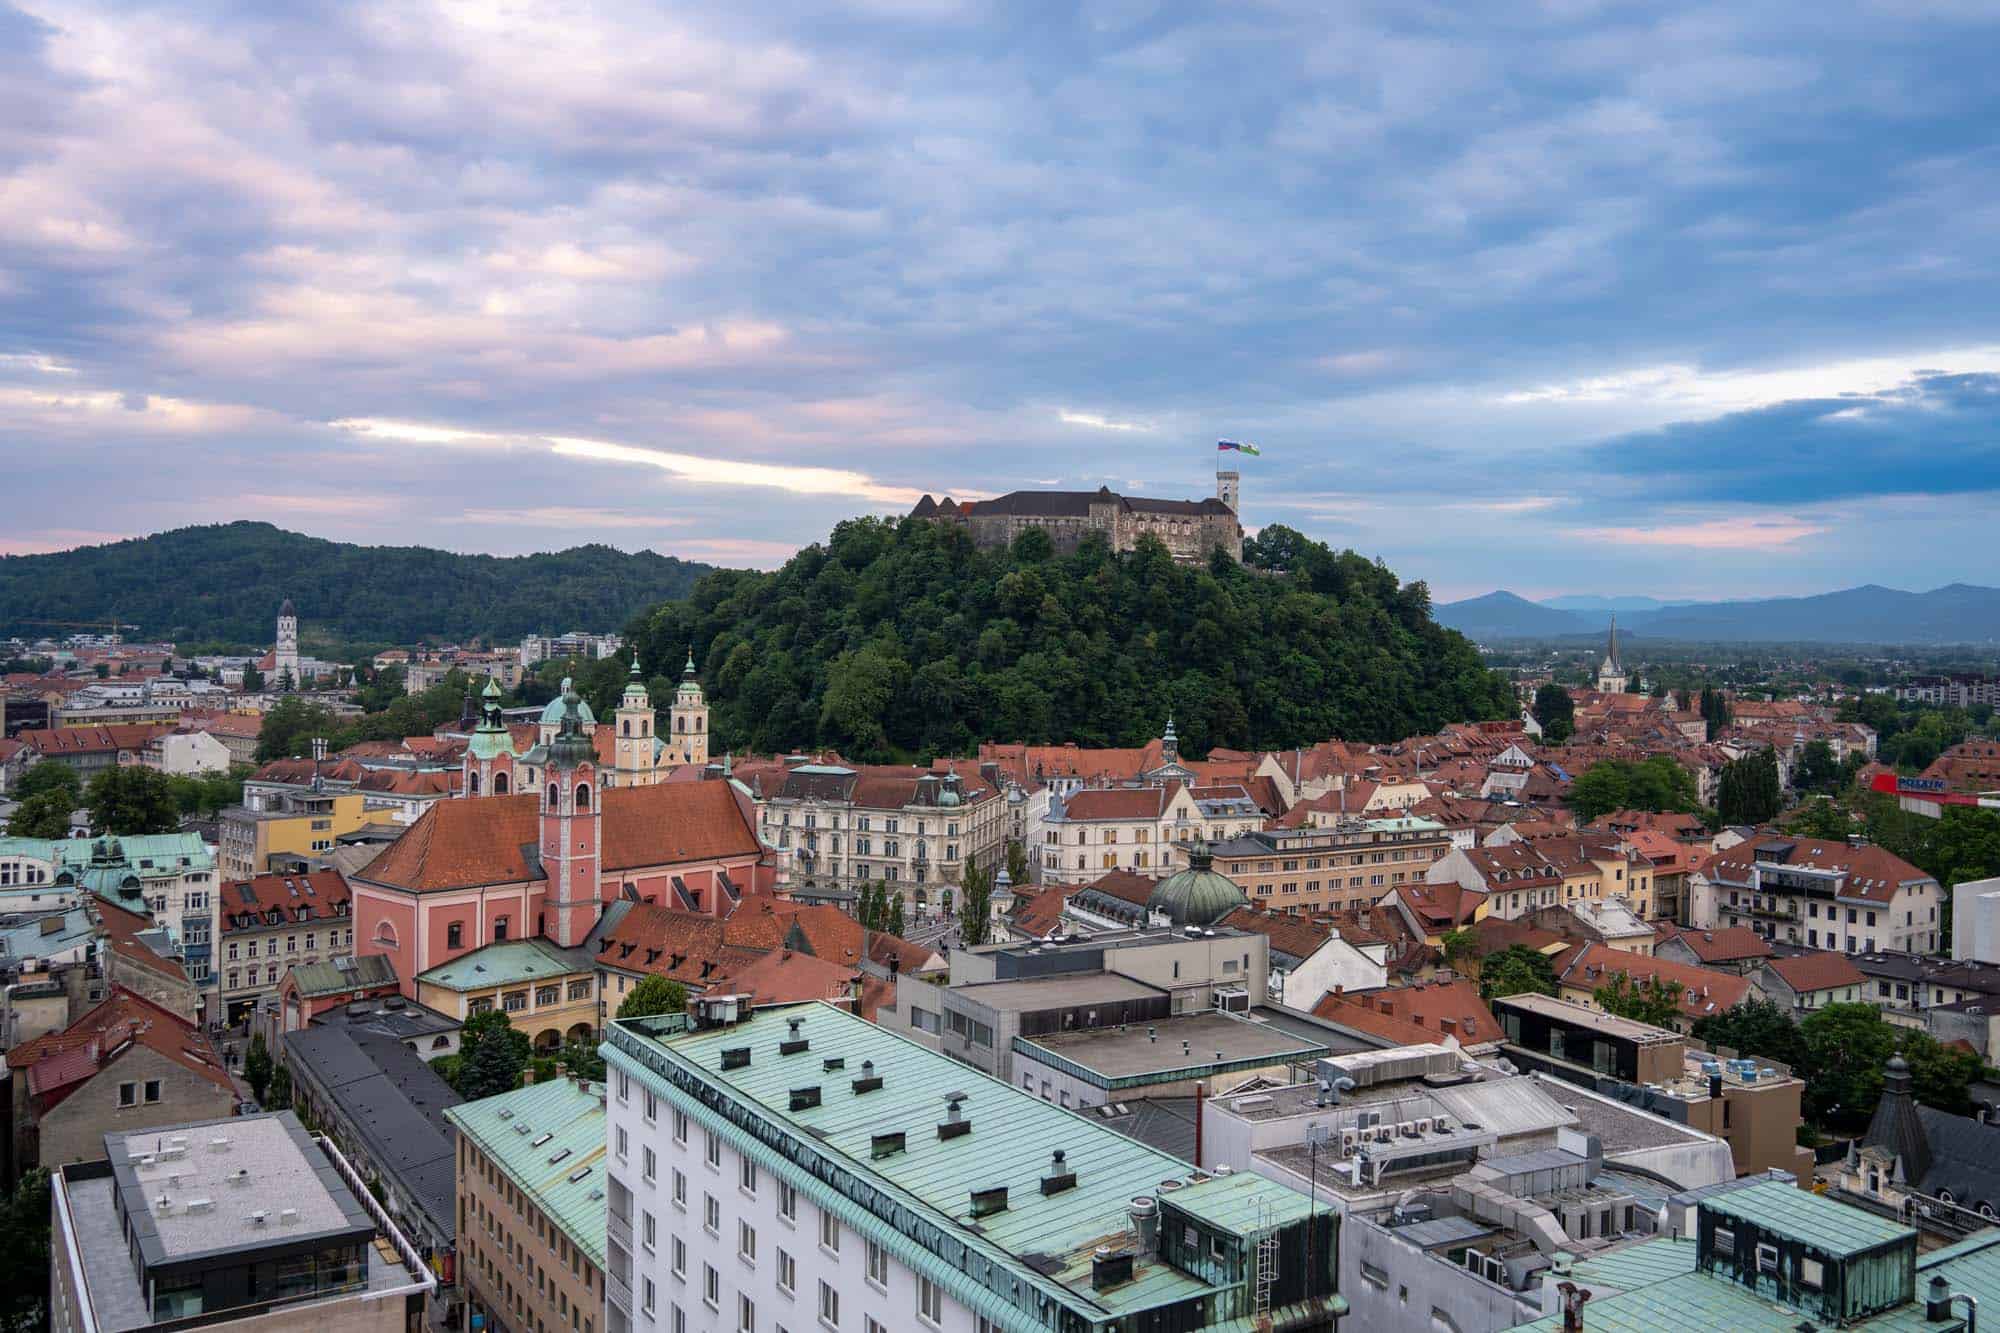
x=711 y=1214
x=788 y=1273
x=1767 y=1258
x=930 y=1301
x=624 y=1143
x=829 y=1232
x=746 y=1315
x=788 y=1202
x=878 y=1265
x=646 y=1298
x=1811 y=1273
x=680 y=1258
x=680 y=1189
x=829 y=1306
x=152 y=1091
x=649 y=1166
x=746 y=1241
x=746 y=1176
x=711 y=1287
x=714 y=1147
x=680 y=1121
x=128 y=1094
x=1724 y=1241
x=649 y=1230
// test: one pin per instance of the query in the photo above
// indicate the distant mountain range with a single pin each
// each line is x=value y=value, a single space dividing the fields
x=1956 y=613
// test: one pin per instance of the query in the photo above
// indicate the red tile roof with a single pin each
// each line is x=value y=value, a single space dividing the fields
x=784 y=976
x=1298 y=936
x=320 y=895
x=93 y=740
x=1432 y=1010
x=58 y=1063
x=1704 y=990
x=1129 y=885
x=1725 y=944
x=462 y=843
x=1873 y=873
x=1116 y=803
x=1822 y=970
x=1039 y=914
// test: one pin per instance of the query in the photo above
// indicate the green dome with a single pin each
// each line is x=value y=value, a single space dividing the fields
x=1197 y=896
x=552 y=715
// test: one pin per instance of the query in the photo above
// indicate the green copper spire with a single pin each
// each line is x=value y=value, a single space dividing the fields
x=688 y=670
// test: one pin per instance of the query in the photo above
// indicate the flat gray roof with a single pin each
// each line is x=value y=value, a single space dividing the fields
x=1065 y=988
x=1595 y=1019
x=189 y=1199
x=1212 y=1039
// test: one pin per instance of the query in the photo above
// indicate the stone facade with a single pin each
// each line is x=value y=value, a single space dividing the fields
x=1190 y=529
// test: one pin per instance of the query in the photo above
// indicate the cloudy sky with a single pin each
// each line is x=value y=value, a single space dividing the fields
x=1590 y=297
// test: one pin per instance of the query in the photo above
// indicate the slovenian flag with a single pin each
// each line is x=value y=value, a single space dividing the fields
x=1250 y=449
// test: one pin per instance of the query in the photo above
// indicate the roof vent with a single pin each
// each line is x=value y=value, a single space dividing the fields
x=804 y=1099
x=987 y=1202
x=955 y=1124
x=1109 y=1267
x=736 y=1057
x=200 y=1205
x=833 y=1062
x=795 y=1043
x=288 y=1217
x=869 y=1080
x=885 y=1145
x=1058 y=1177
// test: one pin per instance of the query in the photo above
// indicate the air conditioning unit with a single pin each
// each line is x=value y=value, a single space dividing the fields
x=1423 y=1124
x=1348 y=1138
x=1408 y=1129
x=1385 y=1134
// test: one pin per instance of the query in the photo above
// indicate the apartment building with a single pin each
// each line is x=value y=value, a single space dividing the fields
x=913 y=830
x=1144 y=829
x=299 y=825
x=269 y=924
x=531 y=1190
x=1335 y=868
x=1561 y=871
x=1822 y=893
x=246 y=1222
x=802 y=1168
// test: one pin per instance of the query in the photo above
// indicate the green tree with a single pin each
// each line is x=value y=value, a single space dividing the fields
x=289 y=727
x=24 y=1254
x=1649 y=1000
x=1756 y=1027
x=253 y=679
x=1461 y=949
x=896 y=915
x=1846 y=1046
x=257 y=1068
x=1017 y=863
x=1940 y=1076
x=1821 y=817
x=281 y=1090
x=1655 y=783
x=1555 y=711
x=654 y=995
x=1714 y=710
x=1748 y=791
x=1817 y=768
x=50 y=777
x=41 y=816
x=132 y=799
x=491 y=1068
x=1516 y=970
x=580 y=1058
x=975 y=905
x=1602 y=788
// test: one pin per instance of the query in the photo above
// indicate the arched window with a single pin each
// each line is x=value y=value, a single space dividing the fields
x=582 y=797
x=472 y=784
x=499 y=784
x=385 y=934
x=555 y=796
x=499 y=927
x=680 y=724
x=624 y=726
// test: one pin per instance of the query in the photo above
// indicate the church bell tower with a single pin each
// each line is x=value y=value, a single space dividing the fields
x=688 y=742
x=635 y=762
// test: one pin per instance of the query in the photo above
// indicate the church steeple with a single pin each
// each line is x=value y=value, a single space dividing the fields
x=1611 y=678
x=688 y=717
x=636 y=749
x=571 y=829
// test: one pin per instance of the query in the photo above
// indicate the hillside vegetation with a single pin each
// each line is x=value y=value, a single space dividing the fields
x=897 y=638
x=225 y=582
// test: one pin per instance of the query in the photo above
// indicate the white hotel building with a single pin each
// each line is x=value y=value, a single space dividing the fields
x=800 y=1170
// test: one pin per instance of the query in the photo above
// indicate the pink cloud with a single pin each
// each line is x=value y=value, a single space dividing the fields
x=1719 y=534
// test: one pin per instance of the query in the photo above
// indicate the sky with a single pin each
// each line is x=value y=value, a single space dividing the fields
x=1693 y=301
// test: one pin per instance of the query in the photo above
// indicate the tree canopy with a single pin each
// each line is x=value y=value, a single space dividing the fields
x=1516 y=970
x=1555 y=711
x=133 y=799
x=1748 y=791
x=654 y=995
x=1654 y=783
x=899 y=639
x=224 y=582
x=1651 y=1000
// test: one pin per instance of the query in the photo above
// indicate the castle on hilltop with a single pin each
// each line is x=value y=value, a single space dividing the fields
x=1190 y=529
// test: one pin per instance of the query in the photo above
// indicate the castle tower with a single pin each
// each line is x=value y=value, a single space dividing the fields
x=1228 y=489
x=1170 y=744
x=572 y=822
x=286 y=651
x=688 y=741
x=635 y=759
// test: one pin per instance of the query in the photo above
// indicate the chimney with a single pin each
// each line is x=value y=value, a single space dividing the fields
x=527 y=1074
x=1144 y=1211
x=1058 y=1177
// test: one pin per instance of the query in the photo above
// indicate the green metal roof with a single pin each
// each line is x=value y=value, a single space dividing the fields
x=549 y=1140
x=1639 y=1265
x=1040 y=1239
x=169 y=853
x=1819 y=1221
x=507 y=963
x=330 y=978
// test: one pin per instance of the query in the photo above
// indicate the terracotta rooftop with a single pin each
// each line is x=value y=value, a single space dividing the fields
x=1725 y=944
x=462 y=843
x=58 y=1063
x=1704 y=991
x=319 y=895
x=1116 y=803
x=1434 y=1009
x=1874 y=873
x=1817 y=971
x=1299 y=936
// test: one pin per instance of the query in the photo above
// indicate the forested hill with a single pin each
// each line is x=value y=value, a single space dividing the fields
x=226 y=581
x=898 y=638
